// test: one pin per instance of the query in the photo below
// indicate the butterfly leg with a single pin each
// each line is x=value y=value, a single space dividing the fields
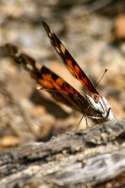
x=79 y=122
x=86 y=121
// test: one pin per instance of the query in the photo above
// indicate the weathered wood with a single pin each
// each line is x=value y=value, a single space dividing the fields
x=90 y=157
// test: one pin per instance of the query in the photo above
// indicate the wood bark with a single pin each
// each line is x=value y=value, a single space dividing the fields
x=89 y=158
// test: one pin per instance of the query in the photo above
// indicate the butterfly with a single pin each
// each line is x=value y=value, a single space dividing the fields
x=90 y=103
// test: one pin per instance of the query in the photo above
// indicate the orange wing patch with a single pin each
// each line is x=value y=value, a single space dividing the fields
x=71 y=64
x=50 y=80
x=61 y=90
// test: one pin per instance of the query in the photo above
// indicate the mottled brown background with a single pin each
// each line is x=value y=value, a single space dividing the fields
x=93 y=31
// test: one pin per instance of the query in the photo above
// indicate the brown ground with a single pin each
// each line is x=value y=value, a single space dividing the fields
x=96 y=40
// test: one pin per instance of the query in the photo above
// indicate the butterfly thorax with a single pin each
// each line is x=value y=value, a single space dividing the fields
x=102 y=109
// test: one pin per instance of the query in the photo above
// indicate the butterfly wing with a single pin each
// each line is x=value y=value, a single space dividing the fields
x=62 y=91
x=54 y=84
x=70 y=63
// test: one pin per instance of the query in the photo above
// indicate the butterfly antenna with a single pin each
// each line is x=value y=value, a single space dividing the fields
x=101 y=77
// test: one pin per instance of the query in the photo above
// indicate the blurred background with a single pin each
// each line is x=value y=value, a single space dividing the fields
x=92 y=30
